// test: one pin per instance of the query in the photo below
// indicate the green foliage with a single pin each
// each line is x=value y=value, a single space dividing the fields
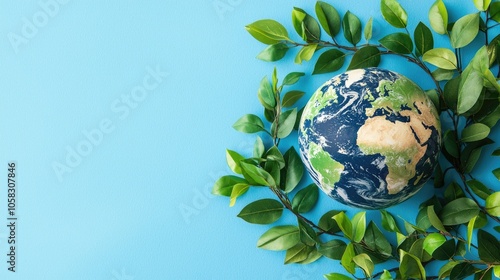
x=448 y=227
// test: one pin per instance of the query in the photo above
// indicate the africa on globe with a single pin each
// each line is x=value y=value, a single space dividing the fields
x=370 y=138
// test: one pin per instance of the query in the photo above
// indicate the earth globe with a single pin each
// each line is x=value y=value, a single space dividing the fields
x=370 y=138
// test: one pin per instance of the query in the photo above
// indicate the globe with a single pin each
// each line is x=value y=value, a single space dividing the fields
x=370 y=138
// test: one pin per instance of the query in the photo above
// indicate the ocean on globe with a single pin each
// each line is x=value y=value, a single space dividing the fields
x=370 y=138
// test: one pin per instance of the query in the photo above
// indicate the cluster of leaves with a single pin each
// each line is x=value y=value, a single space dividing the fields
x=468 y=94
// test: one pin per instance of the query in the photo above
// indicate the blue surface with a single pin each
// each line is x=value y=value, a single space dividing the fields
x=137 y=205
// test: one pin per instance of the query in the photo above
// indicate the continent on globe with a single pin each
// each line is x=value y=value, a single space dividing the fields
x=370 y=138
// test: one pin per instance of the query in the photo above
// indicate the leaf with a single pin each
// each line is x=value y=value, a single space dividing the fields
x=307 y=233
x=328 y=17
x=479 y=188
x=470 y=88
x=237 y=191
x=313 y=256
x=329 y=61
x=388 y=222
x=264 y=211
x=274 y=52
x=327 y=223
x=434 y=219
x=274 y=154
x=445 y=270
x=257 y=176
x=493 y=204
x=393 y=13
x=305 y=199
x=398 y=42
x=279 y=238
x=305 y=25
x=344 y=224
x=258 y=148
x=482 y=5
x=267 y=31
x=233 y=160
x=291 y=98
x=496 y=172
x=496 y=271
x=423 y=38
x=286 y=123
x=297 y=253
x=386 y=275
x=464 y=30
x=459 y=211
x=333 y=249
x=496 y=153
x=446 y=251
x=453 y=191
x=442 y=58
x=438 y=17
x=461 y=271
x=475 y=132
x=249 y=123
x=492 y=49
x=376 y=241
x=443 y=74
x=224 y=185
x=422 y=219
x=365 y=57
x=368 y=29
x=352 y=28
x=364 y=261
x=337 y=276
x=451 y=93
x=306 y=53
x=347 y=259
x=488 y=247
x=410 y=266
x=292 y=78
x=359 y=226
x=294 y=170
x=470 y=228
x=433 y=241
x=450 y=142
x=495 y=11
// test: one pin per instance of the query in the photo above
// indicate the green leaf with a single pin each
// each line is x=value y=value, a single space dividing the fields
x=388 y=222
x=422 y=219
x=459 y=211
x=464 y=30
x=305 y=25
x=393 y=13
x=365 y=57
x=423 y=38
x=313 y=256
x=453 y=191
x=495 y=11
x=344 y=224
x=488 y=246
x=279 y=238
x=237 y=191
x=386 y=275
x=337 y=276
x=433 y=95
x=446 y=251
x=470 y=89
x=264 y=211
x=475 y=132
x=292 y=78
x=496 y=153
x=305 y=199
x=445 y=270
x=329 y=61
x=492 y=49
x=224 y=185
x=359 y=226
x=450 y=142
x=273 y=168
x=297 y=253
x=307 y=233
x=410 y=266
x=470 y=228
x=327 y=223
x=249 y=123
x=233 y=160
x=479 y=188
x=493 y=204
x=496 y=271
x=364 y=261
x=306 y=53
x=347 y=259
x=433 y=241
x=496 y=172
x=461 y=271
x=398 y=42
x=434 y=219
x=352 y=28
x=376 y=241
x=292 y=97
x=267 y=31
x=286 y=123
x=482 y=5
x=294 y=171
x=368 y=29
x=451 y=93
x=328 y=17
x=274 y=52
x=258 y=148
x=442 y=58
x=438 y=17
x=274 y=154
x=443 y=74
x=333 y=249
x=257 y=176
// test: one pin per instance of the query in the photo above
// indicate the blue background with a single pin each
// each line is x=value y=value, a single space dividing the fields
x=138 y=205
